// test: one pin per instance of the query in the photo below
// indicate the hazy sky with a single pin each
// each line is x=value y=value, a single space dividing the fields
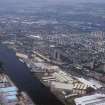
x=52 y=1
x=33 y=2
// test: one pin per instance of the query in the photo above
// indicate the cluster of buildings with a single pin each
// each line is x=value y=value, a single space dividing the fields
x=96 y=99
x=80 y=53
x=68 y=88
x=70 y=39
x=10 y=94
x=83 y=54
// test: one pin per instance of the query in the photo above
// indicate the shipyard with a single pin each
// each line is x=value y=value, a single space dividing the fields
x=52 y=52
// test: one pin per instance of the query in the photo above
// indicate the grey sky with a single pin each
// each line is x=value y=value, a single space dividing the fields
x=50 y=1
x=42 y=2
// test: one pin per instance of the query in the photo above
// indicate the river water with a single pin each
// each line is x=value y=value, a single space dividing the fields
x=23 y=79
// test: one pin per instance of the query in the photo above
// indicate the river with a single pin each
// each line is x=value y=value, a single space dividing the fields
x=21 y=76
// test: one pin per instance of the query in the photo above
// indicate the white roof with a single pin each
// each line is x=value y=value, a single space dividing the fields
x=89 y=83
x=11 y=93
x=96 y=99
x=59 y=85
x=21 y=55
x=8 y=89
x=14 y=98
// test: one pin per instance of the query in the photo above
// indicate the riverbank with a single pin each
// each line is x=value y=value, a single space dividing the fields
x=23 y=79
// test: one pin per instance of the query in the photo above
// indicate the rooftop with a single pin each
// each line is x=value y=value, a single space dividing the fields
x=96 y=99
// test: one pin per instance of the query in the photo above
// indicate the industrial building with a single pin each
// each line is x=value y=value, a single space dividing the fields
x=96 y=99
x=10 y=94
